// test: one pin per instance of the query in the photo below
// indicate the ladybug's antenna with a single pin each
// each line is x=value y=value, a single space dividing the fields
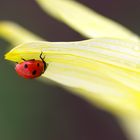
x=42 y=58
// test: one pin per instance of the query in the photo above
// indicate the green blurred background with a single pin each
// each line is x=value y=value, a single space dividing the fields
x=33 y=110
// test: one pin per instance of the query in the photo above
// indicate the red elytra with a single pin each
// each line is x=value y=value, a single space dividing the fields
x=30 y=69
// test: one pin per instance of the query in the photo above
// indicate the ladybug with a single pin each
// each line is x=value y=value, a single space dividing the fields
x=30 y=69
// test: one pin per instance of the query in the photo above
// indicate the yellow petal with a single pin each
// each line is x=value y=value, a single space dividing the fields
x=131 y=125
x=84 y=20
x=16 y=34
x=105 y=71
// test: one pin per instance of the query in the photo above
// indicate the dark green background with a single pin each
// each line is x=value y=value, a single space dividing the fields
x=32 y=110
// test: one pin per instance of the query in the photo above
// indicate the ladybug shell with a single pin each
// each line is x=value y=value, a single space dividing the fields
x=30 y=69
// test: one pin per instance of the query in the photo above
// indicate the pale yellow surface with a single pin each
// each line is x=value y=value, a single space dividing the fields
x=81 y=68
x=16 y=34
x=104 y=70
x=84 y=20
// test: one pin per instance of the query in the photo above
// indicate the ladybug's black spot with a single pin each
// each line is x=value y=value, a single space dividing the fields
x=25 y=66
x=34 y=72
x=38 y=64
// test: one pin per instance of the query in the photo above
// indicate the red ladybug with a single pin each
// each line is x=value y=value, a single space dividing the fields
x=30 y=69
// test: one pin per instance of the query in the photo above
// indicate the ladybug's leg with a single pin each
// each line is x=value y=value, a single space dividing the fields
x=23 y=59
x=42 y=58
x=41 y=55
x=28 y=60
x=32 y=60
